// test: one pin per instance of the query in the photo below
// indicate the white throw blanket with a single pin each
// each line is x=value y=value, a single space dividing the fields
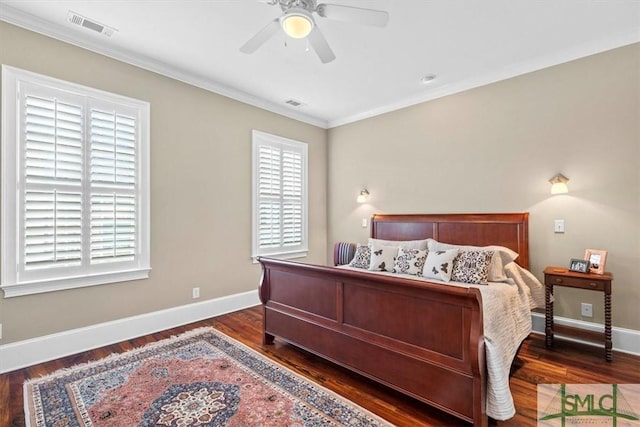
x=507 y=322
x=506 y=309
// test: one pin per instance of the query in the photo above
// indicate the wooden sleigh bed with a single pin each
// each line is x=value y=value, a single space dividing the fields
x=422 y=339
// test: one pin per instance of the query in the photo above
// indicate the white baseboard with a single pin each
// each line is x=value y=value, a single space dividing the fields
x=624 y=340
x=49 y=347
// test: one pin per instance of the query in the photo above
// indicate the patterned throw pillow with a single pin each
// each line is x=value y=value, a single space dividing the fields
x=472 y=267
x=409 y=261
x=383 y=258
x=501 y=257
x=439 y=264
x=362 y=257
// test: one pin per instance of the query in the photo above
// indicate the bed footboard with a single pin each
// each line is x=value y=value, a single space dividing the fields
x=422 y=339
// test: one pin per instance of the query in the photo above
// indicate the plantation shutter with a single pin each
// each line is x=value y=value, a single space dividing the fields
x=52 y=226
x=75 y=185
x=113 y=184
x=292 y=198
x=280 y=198
x=269 y=188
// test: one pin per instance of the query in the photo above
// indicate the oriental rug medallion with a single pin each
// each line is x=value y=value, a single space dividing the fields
x=200 y=378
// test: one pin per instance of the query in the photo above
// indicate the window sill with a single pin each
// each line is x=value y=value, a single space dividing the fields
x=39 y=287
x=281 y=255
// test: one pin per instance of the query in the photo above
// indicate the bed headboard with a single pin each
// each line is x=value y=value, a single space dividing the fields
x=507 y=229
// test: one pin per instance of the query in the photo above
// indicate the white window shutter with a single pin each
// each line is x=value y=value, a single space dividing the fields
x=292 y=198
x=279 y=196
x=113 y=167
x=113 y=227
x=52 y=229
x=75 y=190
x=52 y=224
x=113 y=138
x=53 y=141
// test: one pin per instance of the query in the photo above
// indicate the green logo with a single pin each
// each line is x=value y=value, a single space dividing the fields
x=582 y=404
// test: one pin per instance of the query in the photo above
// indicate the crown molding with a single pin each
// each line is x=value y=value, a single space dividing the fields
x=59 y=32
x=534 y=64
x=33 y=23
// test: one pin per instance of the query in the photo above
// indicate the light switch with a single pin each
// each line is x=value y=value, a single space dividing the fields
x=558 y=226
x=364 y=222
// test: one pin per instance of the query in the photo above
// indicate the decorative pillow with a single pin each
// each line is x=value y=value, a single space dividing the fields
x=383 y=258
x=362 y=257
x=407 y=244
x=439 y=264
x=472 y=267
x=409 y=261
x=502 y=256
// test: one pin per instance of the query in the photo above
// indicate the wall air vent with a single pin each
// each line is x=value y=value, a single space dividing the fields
x=295 y=103
x=77 y=19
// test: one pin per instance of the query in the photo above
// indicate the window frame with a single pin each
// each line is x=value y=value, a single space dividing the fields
x=302 y=250
x=13 y=280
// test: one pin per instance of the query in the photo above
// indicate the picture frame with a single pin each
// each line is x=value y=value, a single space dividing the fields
x=597 y=259
x=579 y=265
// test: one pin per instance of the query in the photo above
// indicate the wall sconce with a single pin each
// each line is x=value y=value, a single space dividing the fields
x=559 y=184
x=362 y=197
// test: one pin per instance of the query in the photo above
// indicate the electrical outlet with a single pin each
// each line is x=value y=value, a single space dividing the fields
x=195 y=294
x=586 y=309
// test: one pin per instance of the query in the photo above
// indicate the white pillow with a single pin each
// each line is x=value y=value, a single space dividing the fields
x=439 y=264
x=410 y=261
x=383 y=258
x=407 y=244
x=502 y=256
x=362 y=257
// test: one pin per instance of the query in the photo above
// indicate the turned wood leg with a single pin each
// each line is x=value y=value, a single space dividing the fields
x=548 y=316
x=608 y=343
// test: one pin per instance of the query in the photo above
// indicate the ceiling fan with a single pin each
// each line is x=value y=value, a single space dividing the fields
x=297 y=22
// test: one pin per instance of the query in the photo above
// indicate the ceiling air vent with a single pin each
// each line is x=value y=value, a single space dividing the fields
x=90 y=24
x=295 y=103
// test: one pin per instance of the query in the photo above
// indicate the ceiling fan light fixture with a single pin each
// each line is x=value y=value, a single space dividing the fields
x=297 y=24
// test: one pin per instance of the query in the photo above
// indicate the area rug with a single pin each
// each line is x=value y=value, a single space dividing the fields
x=200 y=378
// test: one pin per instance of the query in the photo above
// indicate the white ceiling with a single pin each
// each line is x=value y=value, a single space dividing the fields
x=466 y=43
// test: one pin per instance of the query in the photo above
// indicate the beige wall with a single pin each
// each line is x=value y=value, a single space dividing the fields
x=487 y=149
x=492 y=149
x=200 y=191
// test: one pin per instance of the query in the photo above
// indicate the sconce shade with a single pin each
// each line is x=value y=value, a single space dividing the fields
x=559 y=184
x=362 y=197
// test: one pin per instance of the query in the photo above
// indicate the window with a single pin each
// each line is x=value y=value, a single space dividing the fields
x=75 y=185
x=279 y=196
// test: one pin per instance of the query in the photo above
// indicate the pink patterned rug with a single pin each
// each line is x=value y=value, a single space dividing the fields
x=200 y=378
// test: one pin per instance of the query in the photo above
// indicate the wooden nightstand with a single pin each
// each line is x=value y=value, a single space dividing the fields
x=559 y=276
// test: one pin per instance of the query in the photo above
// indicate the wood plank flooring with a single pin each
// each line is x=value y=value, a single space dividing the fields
x=566 y=363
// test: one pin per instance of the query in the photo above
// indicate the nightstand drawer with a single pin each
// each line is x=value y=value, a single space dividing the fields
x=575 y=282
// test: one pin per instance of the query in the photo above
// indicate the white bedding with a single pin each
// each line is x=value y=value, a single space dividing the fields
x=506 y=308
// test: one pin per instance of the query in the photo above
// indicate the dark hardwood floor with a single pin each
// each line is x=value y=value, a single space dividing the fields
x=566 y=363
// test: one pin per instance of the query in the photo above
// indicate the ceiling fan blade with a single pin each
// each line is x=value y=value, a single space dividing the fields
x=263 y=35
x=377 y=18
x=320 y=45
